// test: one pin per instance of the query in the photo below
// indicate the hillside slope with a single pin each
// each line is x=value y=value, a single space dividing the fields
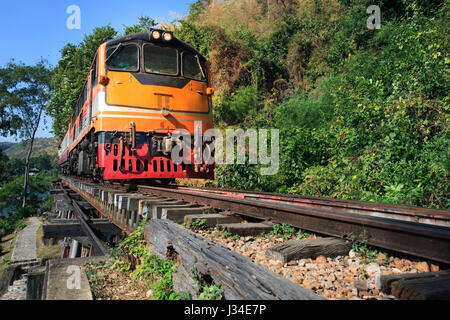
x=41 y=146
x=363 y=113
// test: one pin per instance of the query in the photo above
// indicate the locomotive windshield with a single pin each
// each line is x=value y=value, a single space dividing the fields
x=192 y=67
x=123 y=57
x=161 y=60
x=157 y=59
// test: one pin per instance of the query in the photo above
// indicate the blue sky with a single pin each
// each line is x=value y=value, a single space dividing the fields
x=31 y=29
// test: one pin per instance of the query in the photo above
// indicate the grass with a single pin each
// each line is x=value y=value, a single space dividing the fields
x=133 y=273
x=286 y=232
x=6 y=253
x=365 y=251
x=43 y=251
x=109 y=282
x=7 y=250
x=7 y=243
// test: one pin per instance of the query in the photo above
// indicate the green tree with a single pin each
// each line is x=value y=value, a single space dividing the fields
x=42 y=162
x=4 y=168
x=25 y=93
x=70 y=75
x=11 y=200
x=144 y=25
x=16 y=166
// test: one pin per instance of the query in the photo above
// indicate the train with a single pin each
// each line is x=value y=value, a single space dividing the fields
x=141 y=90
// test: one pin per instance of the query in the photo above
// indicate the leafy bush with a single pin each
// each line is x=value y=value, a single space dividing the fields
x=233 y=108
x=283 y=230
x=199 y=224
x=132 y=254
x=212 y=292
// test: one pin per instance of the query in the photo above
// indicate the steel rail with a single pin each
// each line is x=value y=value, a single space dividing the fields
x=98 y=246
x=81 y=216
x=302 y=198
x=406 y=213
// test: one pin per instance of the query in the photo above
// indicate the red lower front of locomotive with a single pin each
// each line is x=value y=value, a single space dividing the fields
x=118 y=159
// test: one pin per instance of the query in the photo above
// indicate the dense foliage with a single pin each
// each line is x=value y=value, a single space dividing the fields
x=11 y=211
x=70 y=75
x=363 y=114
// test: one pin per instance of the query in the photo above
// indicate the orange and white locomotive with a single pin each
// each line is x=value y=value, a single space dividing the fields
x=141 y=88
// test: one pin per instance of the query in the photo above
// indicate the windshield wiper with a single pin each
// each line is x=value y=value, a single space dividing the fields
x=200 y=66
x=115 y=50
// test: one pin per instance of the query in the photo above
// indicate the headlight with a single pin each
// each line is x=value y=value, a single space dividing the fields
x=156 y=35
x=167 y=36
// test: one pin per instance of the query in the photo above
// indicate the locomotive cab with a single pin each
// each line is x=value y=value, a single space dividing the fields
x=156 y=74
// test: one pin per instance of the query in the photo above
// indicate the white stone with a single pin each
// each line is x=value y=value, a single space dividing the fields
x=374 y=272
x=372 y=268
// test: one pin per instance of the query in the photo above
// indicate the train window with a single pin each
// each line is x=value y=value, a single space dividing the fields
x=192 y=67
x=81 y=102
x=85 y=94
x=123 y=58
x=94 y=73
x=161 y=60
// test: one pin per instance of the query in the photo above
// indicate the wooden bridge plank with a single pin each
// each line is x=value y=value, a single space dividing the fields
x=213 y=219
x=238 y=276
x=72 y=228
x=432 y=288
x=387 y=281
x=247 y=229
x=309 y=248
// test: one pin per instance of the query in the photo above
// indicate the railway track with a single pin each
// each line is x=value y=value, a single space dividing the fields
x=396 y=212
x=419 y=232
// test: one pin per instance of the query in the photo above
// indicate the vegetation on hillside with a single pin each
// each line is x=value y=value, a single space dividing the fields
x=42 y=147
x=12 y=211
x=363 y=114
